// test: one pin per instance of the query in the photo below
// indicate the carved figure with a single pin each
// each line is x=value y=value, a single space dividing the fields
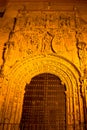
x=81 y=50
x=47 y=42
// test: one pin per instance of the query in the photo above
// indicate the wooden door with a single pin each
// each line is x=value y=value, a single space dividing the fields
x=44 y=104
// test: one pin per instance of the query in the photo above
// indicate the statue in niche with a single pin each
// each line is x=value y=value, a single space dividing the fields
x=81 y=50
x=82 y=53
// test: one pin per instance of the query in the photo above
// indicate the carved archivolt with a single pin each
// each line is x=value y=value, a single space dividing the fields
x=22 y=72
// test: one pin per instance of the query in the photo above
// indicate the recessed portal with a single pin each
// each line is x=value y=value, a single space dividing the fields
x=44 y=104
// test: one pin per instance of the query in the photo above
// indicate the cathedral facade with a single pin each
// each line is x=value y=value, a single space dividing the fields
x=43 y=67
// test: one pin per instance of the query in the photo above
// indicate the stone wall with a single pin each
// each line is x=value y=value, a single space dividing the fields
x=37 y=38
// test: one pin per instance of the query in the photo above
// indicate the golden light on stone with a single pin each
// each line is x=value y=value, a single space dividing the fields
x=43 y=59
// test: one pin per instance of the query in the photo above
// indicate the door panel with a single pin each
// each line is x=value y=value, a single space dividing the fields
x=44 y=104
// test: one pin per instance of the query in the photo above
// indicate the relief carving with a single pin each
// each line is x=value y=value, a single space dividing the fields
x=47 y=43
x=82 y=54
x=81 y=50
x=43 y=19
x=38 y=33
x=43 y=22
x=81 y=37
x=64 y=20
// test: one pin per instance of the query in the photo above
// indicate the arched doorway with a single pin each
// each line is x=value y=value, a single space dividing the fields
x=23 y=72
x=44 y=105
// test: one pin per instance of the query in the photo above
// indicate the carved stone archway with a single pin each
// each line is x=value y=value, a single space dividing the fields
x=22 y=73
x=44 y=104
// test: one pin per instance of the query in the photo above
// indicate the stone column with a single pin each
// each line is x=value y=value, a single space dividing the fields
x=70 y=118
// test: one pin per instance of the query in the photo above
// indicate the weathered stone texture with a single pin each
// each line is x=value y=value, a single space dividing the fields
x=39 y=40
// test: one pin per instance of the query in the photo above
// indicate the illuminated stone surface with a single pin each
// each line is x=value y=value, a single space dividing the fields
x=42 y=40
